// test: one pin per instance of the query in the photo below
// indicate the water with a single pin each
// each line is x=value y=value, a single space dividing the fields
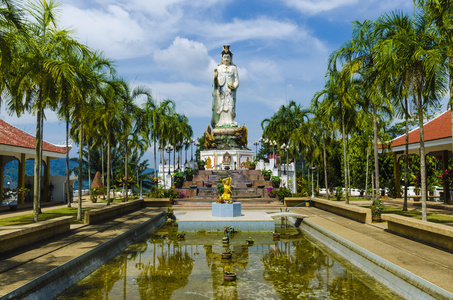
x=161 y=266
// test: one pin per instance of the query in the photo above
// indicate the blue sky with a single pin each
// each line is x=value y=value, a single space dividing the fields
x=280 y=47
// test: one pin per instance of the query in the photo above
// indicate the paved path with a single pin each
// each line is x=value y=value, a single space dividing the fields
x=424 y=261
x=33 y=261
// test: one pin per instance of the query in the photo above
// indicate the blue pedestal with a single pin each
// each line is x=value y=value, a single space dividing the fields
x=226 y=210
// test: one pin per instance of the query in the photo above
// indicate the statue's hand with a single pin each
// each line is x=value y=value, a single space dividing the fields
x=231 y=86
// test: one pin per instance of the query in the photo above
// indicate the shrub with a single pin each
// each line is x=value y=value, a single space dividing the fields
x=377 y=208
x=276 y=179
x=266 y=172
x=282 y=193
x=339 y=193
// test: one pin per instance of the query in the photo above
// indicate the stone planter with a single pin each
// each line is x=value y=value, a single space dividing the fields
x=227 y=255
x=200 y=167
x=249 y=184
x=275 y=184
x=252 y=167
x=267 y=177
x=189 y=177
x=208 y=184
x=376 y=218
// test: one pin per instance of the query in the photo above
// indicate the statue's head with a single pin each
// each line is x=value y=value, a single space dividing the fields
x=226 y=55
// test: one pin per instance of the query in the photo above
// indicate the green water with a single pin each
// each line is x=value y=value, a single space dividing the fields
x=161 y=266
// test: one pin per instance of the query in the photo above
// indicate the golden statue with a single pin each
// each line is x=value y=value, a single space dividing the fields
x=208 y=139
x=226 y=196
x=242 y=134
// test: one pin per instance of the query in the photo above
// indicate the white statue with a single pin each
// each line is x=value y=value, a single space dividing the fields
x=226 y=81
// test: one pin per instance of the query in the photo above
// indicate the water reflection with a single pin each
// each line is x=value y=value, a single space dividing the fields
x=165 y=267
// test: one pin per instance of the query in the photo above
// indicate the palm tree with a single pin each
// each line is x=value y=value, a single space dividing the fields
x=39 y=65
x=439 y=14
x=130 y=126
x=423 y=63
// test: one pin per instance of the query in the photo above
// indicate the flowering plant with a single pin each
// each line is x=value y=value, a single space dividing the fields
x=447 y=176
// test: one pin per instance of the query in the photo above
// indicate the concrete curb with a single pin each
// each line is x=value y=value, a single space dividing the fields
x=52 y=283
x=401 y=281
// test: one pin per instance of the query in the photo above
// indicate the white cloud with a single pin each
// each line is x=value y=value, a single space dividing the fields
x=311 y=7
x=189 y=59
x=112 y=30
x=240 y=30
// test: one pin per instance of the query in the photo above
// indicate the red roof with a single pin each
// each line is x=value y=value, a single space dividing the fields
x=13 y=136
x=438 y=128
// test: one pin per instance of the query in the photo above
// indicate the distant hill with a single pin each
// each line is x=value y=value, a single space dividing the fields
x=57 y=168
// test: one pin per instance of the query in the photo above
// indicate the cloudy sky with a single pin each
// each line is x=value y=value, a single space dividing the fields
x=280 y=47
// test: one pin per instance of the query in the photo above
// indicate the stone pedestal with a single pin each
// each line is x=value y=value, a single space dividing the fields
x=225 y=210
x=214 y=159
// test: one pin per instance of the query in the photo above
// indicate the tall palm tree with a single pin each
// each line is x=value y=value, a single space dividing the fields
x=439 y=13
x=39 y=65
x=423 y=61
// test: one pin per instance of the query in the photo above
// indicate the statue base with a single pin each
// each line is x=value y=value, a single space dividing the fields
x=227 y=159
x=226 y=210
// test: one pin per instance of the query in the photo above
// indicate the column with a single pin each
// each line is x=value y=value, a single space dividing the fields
x=2 y=169
x=46 y=196
x=396 y=171
x=446 y=186
x=21 y=179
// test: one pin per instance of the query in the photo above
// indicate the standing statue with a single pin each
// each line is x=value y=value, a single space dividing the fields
x=226 y=81
x=226 y=196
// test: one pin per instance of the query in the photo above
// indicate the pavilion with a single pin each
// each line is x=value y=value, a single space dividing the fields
x=438 y=143
x=16 y=144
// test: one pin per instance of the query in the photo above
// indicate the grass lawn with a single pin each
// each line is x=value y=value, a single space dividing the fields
x=46 y=215
x=443 y=219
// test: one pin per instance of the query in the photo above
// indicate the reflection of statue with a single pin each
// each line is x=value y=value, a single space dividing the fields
x=226 y=81
x=226 y=196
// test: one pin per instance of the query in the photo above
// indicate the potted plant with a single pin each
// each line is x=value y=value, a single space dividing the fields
x=201 y=164
x=276 y=180
x=276 y=235
x=267 y=174
x=181 y=235
x=271 y=192
x=251 y=165
x=338 y=193
x=250 y=241
x=282 y=193
x=94 y=194
x=376 y=210
x=189 y=173
x=178 y=179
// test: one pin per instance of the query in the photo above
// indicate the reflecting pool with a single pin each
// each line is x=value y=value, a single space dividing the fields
x=163 y=266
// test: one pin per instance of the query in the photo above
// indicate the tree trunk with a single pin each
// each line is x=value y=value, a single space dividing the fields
x=367 y=169
x=422 y=157
x=68 y=196
x=108 y=167
x=80 y=179
x=155 y=158
x=38 y=159
x=89 y=169
x=325 y=165
x=406 y=171
x=345 y=159
x=376 y=157
x=126 y=181
x=103 y=173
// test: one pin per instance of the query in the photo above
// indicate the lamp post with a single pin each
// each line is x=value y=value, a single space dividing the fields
x=256 y=143
x=285 y=148
x=312 y=167
x=192 y=142
x=169 y=148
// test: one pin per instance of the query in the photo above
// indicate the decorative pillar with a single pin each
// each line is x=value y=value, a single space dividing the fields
x=21 y=179
x=396 y=171
x=1 y=178
x=46 y=180
x=446 y=186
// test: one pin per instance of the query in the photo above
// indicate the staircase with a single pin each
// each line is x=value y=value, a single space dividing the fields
x=248 y=185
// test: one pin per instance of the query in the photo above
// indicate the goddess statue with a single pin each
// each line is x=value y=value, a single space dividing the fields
x=226 y=81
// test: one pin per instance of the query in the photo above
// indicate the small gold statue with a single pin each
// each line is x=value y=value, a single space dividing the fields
x=226 y=196
x=209 y=139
